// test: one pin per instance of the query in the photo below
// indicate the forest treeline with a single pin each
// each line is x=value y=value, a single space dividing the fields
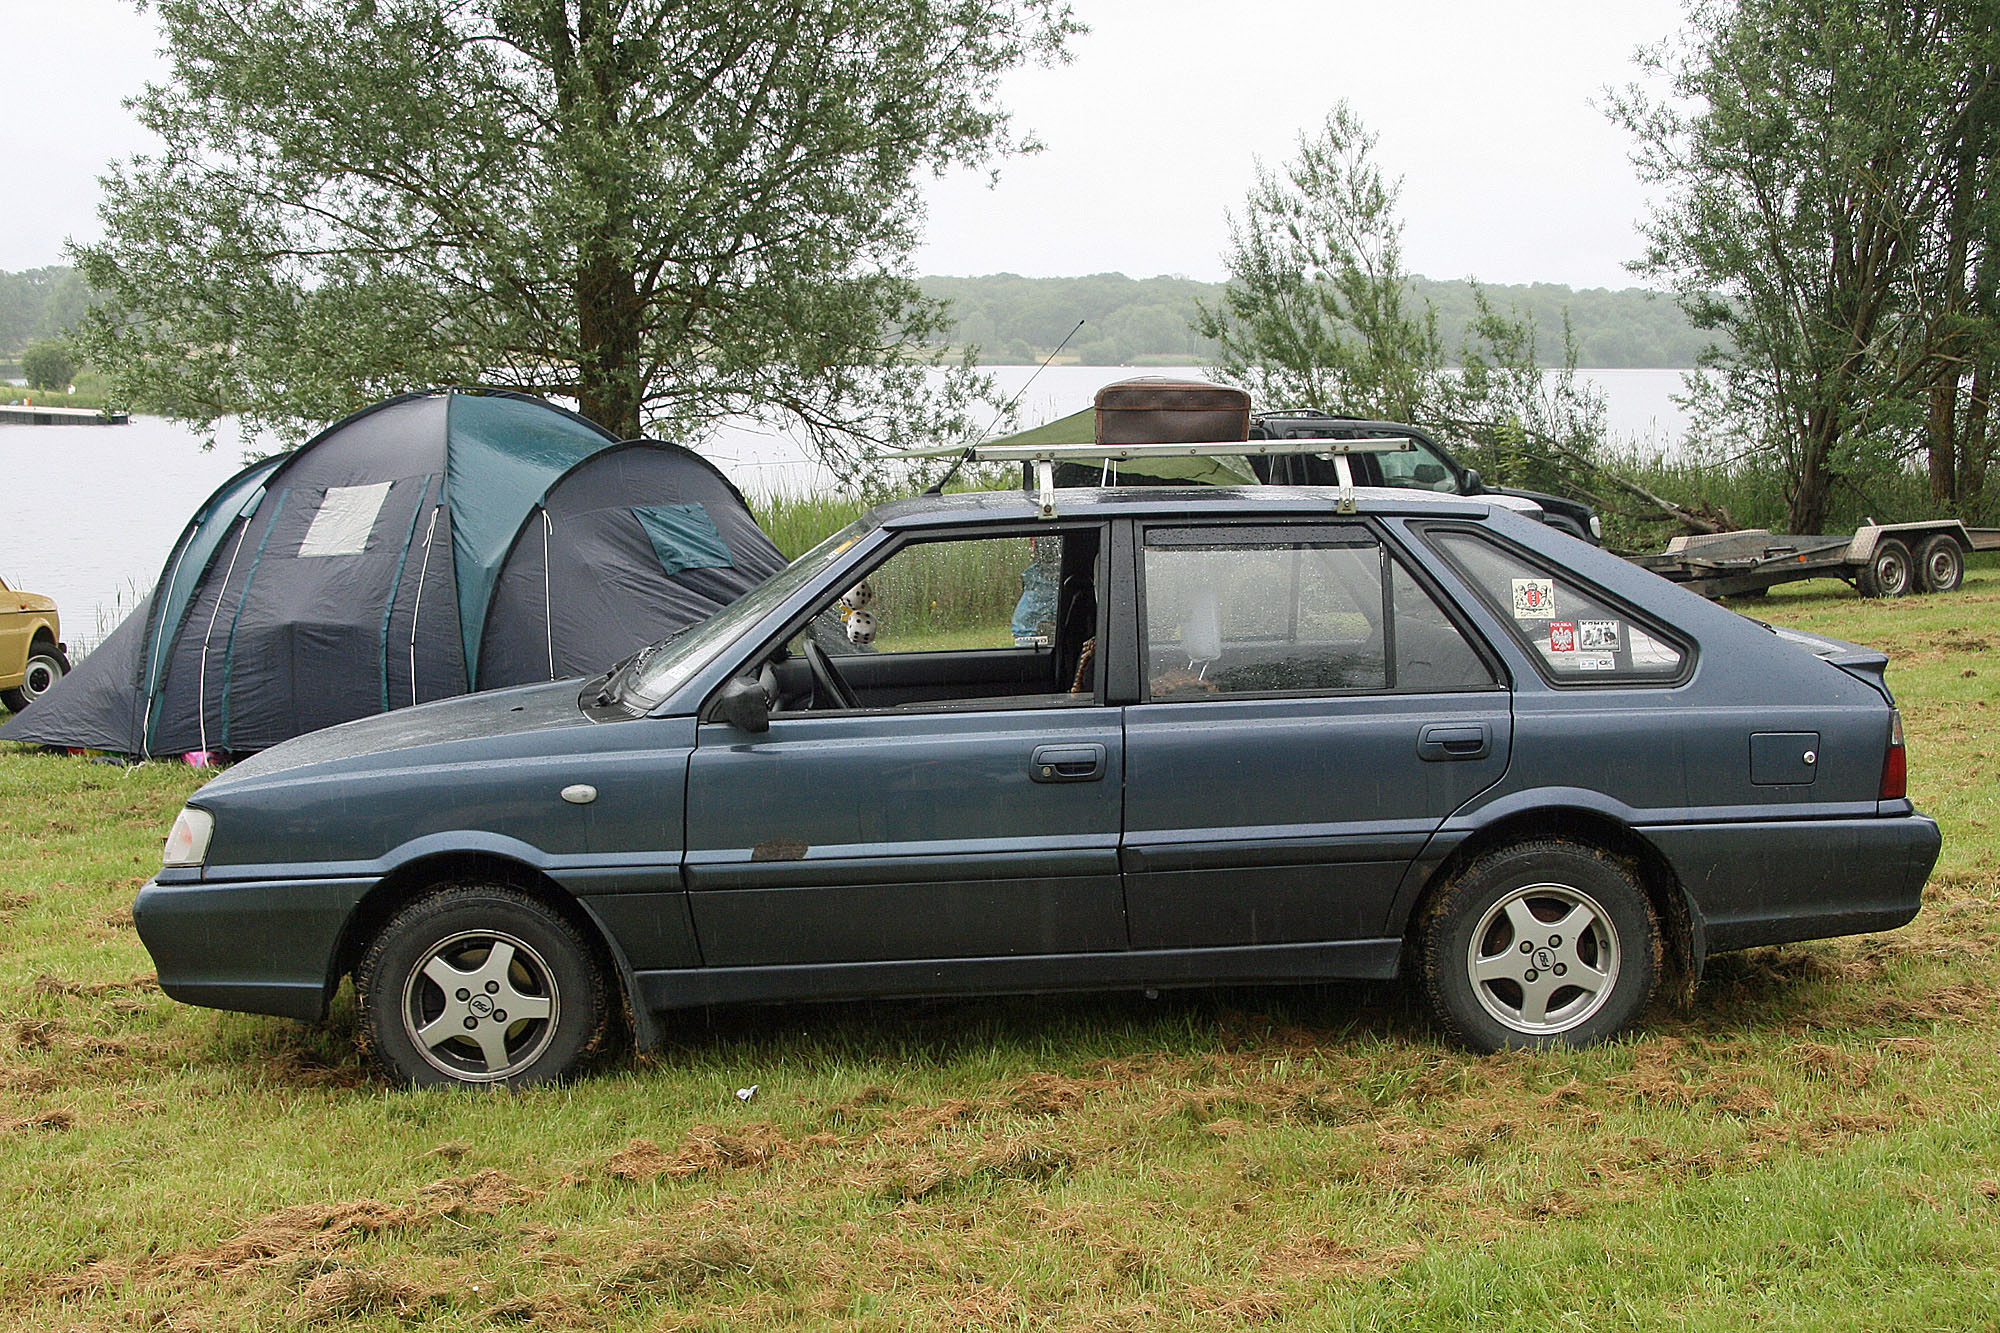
x=1018 y=321
x=1015 y=320
x=38 y=303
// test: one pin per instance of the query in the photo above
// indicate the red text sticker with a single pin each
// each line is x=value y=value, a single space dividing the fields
x=1562 y=636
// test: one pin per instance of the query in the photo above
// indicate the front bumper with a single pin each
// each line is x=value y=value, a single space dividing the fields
x=262 y=947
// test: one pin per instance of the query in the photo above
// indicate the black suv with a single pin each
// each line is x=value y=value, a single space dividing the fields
x=1429 y=467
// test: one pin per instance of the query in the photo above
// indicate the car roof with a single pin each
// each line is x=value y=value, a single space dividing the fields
x=978 y=507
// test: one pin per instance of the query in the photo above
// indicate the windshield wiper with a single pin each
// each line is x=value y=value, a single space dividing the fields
x=614 y=681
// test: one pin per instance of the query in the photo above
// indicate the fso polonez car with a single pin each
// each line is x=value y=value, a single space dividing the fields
x=1262 y=734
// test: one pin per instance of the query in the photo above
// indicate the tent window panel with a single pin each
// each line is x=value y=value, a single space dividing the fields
x=345 y=518
x=684 y=537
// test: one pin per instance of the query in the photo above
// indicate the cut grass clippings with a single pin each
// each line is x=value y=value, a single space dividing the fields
x=1812 y=1143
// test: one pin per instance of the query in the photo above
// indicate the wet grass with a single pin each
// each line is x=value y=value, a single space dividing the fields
x=1812 y=1143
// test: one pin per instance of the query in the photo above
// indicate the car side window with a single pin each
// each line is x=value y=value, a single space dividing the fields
x=1418 y=468
x=1577 y=634
x=999 y=622
x=1262 y=612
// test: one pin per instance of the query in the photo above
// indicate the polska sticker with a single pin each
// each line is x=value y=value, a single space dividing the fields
x=1597 y=636
x=1562 y=636
x=1534 y=599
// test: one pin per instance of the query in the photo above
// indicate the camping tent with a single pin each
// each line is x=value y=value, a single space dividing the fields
x=635 y=542
x=432 y=544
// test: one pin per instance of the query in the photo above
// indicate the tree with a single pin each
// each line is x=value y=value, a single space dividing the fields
x=47 y=364
x=669 y=210
x=1319 y=312
x=1828 y=168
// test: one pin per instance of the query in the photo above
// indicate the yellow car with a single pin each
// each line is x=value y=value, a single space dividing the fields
x=32 y=655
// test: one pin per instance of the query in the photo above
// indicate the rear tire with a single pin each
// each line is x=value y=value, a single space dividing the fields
x=1940 y=564
x=472 y=986
x=1538 y=944
x=1890 y=572
x=46 y=666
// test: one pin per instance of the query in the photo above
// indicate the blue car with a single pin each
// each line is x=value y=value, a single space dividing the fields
x=1265 y=734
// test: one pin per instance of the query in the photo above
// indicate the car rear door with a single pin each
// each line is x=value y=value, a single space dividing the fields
x=1309 y=714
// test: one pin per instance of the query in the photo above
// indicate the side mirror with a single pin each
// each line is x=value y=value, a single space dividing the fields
x=744 y=706
x=1473 y=485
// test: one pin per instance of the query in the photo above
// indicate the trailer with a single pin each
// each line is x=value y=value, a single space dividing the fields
x=1880 y=559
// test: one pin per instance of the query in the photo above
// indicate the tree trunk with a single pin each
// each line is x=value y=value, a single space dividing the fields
x=607 y=321
x=1941 y=439
x=1811 y=494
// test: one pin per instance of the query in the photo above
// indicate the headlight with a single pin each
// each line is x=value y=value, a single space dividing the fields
x=1597 y=527
x=187 y=842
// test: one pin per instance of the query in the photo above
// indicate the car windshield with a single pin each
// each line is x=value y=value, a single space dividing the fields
x=664 y=667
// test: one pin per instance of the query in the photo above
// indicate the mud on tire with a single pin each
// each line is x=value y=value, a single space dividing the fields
x=1536 y=944
x=475 y=985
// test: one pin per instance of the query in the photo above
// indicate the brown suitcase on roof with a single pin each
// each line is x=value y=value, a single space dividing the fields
x=1158 y=410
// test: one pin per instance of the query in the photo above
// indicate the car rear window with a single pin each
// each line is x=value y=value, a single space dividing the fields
x=1578 y=634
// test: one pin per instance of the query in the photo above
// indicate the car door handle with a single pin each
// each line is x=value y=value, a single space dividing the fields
x=1454 y=740
x=1067 y=763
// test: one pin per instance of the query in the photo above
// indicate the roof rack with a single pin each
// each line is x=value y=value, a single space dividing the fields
x=1044 y=457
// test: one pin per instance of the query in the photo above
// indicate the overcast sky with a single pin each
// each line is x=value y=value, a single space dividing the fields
x=1485 y=108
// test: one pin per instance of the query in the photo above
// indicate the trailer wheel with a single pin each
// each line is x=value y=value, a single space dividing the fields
x=1889 y=571
x=1940 y=564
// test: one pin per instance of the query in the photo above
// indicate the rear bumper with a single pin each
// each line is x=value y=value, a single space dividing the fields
x=256 y=946
x=1773 y=883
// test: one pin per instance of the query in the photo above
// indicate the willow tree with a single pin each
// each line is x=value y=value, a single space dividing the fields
x=668 y=210
x=1319 y=312
x=1827 y=170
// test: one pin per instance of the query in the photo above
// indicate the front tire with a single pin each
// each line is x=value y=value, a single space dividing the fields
x=1546 y=943
x=473 y=986
x=46 y=665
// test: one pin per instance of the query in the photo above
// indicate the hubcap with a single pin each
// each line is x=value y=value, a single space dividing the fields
x=481 y=1006
x=1543 y=959
x=39 y=677
x=1892 y=573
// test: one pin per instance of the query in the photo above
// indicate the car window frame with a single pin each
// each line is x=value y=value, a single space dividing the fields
x=900 y=540
x=1690 y=648
x=1247 y=530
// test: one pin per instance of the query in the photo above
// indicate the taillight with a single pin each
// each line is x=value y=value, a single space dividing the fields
x=1896 y=763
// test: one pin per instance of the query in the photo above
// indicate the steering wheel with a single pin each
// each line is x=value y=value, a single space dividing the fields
x=826 y=678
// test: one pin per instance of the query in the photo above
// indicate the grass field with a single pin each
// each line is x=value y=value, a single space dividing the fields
x=1812 y=1143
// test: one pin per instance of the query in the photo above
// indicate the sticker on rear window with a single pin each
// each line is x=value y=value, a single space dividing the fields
x=1597 y=635
x=1595 y=661
x=1534 y=599
x=1562 y=636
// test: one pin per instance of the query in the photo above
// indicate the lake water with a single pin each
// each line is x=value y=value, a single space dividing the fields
x=93 y=511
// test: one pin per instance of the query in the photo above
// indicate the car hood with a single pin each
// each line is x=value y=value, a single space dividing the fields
x=469 y=717
x=1554 y=504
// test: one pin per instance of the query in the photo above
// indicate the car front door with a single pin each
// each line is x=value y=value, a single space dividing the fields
x=1309 y=716
x=952 y=792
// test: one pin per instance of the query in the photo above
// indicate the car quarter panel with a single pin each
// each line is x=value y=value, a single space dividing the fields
x=1755 y=776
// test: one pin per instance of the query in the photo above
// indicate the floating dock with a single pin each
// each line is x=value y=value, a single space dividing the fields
x=30 y=415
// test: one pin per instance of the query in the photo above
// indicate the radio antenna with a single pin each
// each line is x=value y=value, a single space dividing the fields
x=937 y=487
